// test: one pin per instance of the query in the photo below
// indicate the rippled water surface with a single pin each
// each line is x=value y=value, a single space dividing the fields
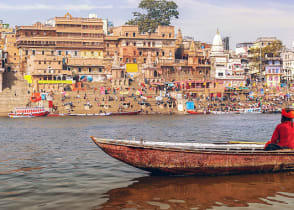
x=51 y=163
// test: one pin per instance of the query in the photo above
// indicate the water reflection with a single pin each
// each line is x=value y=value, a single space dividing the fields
x=203 y=192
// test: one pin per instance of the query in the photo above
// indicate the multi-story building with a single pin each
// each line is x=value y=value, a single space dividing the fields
x=13 y=57
x=134 y=47
x=60 y=38
x=288 y=66
x=273 y=69
x=257 y=57
x=243 y=48
x=226 y=41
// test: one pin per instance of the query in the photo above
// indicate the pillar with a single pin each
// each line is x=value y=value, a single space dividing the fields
x=1 y=79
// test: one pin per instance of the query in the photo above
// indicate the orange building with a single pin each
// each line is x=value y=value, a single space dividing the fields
x=57 y=40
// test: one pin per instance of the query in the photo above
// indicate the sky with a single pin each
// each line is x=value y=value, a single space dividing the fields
x=241 y=20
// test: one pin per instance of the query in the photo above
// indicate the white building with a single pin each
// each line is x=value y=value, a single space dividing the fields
x=288 y=65
x=218 y=58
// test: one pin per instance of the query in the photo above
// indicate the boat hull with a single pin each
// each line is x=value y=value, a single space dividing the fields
x=125 y=113
x=166 y=161
x=40 y=114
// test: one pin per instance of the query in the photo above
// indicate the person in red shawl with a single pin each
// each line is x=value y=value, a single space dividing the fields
x=283 y=136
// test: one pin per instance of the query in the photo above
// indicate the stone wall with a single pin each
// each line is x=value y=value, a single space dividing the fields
x=14 y=94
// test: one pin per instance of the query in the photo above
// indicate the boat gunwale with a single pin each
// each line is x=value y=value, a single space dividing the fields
x=245 y=151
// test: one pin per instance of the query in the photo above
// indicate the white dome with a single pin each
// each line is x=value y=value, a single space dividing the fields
x=217 y=45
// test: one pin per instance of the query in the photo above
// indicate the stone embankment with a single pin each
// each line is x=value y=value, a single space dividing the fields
x=89 y=100
x=15 y=93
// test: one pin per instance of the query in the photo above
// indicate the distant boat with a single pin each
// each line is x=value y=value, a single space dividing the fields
x=125 y=113
x=166 y=158
x=197 y=112
x=28 y=112
x=250 y=111
x=277 y=111
x=225 y=112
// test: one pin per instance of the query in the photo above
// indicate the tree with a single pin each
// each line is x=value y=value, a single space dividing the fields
x=260 y=54
x=158 y=12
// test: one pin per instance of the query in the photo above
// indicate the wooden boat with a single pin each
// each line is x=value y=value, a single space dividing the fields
x=28 y=112
x=197 y=158
x=125 y=113
x=197 y=112
x=224 y=112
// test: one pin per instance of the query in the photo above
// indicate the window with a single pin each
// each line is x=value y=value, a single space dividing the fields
x=90 y=70
x=107 y=44
x=59 y=52
x=44 y=62
x=66 y=52
x=140 y=53
x=76 y=53
x=43 y=53
x=157 y=53
x=116 y=45
x=127 y=34
x=169 y=35
x=144 y=60
x=135 y=60
x=100 y=69
x=127 y=43
x=33 y=52
x=39 y=62
x=163 y=35
x=80 y=69
x=127 y=60
x=162 y=53
x=135 y=43
x=52 y=52
x=134 y=34
x=27 y=52
x=220 y=74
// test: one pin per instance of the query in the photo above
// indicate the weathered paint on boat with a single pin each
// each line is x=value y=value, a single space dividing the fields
x=202 y=159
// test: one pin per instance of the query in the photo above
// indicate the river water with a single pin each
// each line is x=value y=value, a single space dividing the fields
x=51 y=163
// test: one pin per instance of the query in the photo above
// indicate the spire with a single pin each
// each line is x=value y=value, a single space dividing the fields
x=217 y=31
x=192 y=47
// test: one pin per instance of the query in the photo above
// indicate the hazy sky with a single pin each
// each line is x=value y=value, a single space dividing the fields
x=242 y=21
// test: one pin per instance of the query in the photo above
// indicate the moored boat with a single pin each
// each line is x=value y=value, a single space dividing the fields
x=197 y=158
x=28 y=112
x=125 y=113
x=197 y=112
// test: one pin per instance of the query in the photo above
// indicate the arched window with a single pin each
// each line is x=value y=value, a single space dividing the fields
x=155 y=74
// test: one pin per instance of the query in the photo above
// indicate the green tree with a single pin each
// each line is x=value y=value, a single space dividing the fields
x=259 y=54
x=157 y=12
x=274 y=49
